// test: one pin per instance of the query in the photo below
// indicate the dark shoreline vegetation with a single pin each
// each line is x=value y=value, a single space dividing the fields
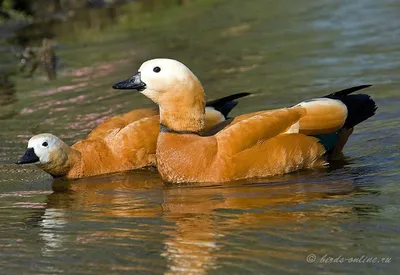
x=75 y=29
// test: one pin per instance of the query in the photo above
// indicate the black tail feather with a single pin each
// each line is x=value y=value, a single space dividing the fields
x=226 y=104
x=342 y=93
x=360 y=107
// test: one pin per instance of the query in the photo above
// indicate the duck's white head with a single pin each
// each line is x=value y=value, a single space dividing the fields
x=174 y=87
x=41 y=149
x=160 y=78
x=51 y=154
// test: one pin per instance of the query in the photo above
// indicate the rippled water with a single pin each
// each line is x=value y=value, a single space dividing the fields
x=283 y=52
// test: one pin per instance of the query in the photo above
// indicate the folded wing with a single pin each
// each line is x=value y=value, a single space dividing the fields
x=252 y=129
x=136 y=142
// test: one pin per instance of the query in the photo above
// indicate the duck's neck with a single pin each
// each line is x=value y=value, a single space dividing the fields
x=183 y=120
x=63 y=161
x=184 y=113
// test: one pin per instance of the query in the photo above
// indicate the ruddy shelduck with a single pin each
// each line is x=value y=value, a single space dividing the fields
x=252 y=145
x=121 y=143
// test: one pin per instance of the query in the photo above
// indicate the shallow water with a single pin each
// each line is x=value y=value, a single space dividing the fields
x=283 y=52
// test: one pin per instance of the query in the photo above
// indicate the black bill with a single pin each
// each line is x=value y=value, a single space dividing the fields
x=133 y=83
x=28 y=157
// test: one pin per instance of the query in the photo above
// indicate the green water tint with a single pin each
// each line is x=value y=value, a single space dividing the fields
x=283 y=52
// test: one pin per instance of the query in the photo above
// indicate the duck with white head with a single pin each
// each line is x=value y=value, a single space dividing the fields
x=51 y=154
x=95 y=156
x=121 y=143
x=252 y=145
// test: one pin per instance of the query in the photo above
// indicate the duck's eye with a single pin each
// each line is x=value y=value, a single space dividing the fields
x=45 y=144
x=156 y=69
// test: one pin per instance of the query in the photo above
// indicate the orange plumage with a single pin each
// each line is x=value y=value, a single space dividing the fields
x=253 y=145
x=120 y=121
x=121 y=143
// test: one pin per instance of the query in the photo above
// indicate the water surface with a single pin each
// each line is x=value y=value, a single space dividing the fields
x=133 y=223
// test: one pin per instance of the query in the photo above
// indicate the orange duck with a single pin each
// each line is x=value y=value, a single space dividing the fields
x=121 y=143
x=252 y=145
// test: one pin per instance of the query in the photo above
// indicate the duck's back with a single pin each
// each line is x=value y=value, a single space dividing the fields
x=120 y=121
x=125 y=148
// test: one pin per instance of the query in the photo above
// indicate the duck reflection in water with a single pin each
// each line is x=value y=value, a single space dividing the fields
x=7 y=97
x=45 y=56
x=194 y=222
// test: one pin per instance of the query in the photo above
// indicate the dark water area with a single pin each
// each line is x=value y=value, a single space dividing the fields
x=281 y=51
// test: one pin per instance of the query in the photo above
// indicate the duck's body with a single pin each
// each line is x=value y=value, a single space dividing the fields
x=234 y=153
x=121 y=143
x=252 y=145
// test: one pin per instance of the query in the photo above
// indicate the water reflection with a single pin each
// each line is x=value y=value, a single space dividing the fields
x=7 y=97
x=195 y=220
x=81 y=16
x=34 y=57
